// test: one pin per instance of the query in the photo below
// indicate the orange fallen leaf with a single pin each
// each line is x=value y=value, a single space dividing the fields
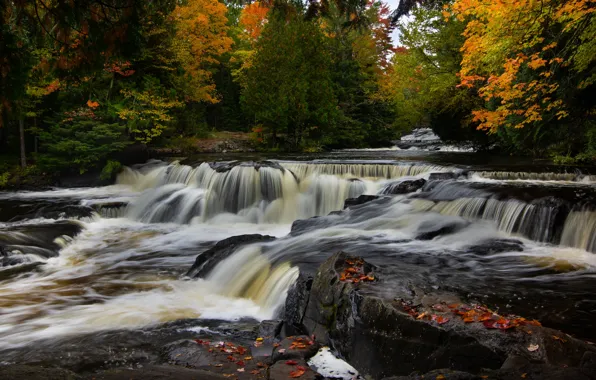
x=297 y=373
x=440 y=377
x=524 y=375
x=255 y=372
x=559 y=339
x=422 y=315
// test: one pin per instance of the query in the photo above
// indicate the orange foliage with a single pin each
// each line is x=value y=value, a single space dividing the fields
x=92 y=104
x=354 y=273
x=201 y=32
x=505 y=38
x=253 y=19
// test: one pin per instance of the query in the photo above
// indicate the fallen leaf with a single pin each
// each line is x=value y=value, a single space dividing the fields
x=259 y=339
x=281 y=350
x=248 y=358
x=240 y=363
x=240 y=370
x=297 y=373
x=559 y=339
x=422 y=315
x=255 y=372
x=533 y=347
x=218 y=365
x=230 y=358
x=440 y=377
x=524 y=375
x=261 y=365
x=291 y=362
x=439 y=319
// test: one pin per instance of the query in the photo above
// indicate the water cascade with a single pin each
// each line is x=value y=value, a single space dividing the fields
x=361 y=170
x=255 y=194
x=531 y=176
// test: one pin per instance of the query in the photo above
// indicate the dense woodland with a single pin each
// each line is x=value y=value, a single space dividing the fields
x=81 y=80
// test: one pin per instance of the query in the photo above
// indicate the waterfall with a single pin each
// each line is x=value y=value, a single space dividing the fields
x=532 y=176
x=580 y=230
x=247 y=192
x=361 y=170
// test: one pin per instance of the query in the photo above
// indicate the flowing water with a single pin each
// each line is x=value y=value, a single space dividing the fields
x=78 y=261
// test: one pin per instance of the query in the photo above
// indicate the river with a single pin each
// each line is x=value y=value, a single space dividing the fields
x=513 y=234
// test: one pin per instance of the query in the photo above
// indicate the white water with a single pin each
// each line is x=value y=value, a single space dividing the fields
x=127 y=272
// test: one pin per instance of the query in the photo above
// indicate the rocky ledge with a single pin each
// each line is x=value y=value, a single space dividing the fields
x=385 y=331
x=383 y=328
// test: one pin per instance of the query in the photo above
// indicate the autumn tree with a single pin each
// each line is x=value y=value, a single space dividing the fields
x=531 y=62
x=201 y=37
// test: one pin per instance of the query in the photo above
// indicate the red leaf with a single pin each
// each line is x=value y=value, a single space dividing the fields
x=297 y=373
x=240 y=363
x=291 y=362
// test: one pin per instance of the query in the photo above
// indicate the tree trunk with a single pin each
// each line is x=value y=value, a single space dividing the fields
x=22 y=139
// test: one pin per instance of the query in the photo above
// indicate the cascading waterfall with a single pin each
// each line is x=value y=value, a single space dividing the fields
x=580 y=230
x=512 y=216
x=360 y=170
x=532 y=176
x=182 y=194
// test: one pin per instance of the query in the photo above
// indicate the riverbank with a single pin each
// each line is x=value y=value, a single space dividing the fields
x=410 y=333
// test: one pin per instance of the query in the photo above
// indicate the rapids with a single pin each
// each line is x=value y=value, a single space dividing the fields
x=115 y=257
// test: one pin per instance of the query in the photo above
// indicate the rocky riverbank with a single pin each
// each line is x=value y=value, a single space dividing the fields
x=382 y=330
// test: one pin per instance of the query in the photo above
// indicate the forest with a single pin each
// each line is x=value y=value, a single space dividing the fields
x=81 y=80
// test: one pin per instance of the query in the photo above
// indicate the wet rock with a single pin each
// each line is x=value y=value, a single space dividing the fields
x=270 y=330
x=444 y=374
x=28 y=372
x=225 y=358
x=403 y=187
x=296 y=302
x=207 y=260
x=284 y=370
x=350 y=202
x=296 y=347
x=493 y=246
x=380 y=337
x=442 y=176
x=155 y=372
x=432 y=229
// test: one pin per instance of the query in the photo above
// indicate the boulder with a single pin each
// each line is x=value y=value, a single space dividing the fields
x=382 y=335
x=350 y=202
x=444 y=226
x=492 y=246
x=296 y=347
x=403 y=187
x=284 y=370
x=207 y=260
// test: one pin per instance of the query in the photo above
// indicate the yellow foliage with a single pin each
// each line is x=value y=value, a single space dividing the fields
x=499 y=34
x=201 y=37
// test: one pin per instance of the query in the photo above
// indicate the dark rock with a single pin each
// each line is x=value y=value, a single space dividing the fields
x=29 y=372
x=270 y=330
x=442 y=176
x=380 y=338
x=207 y=260
x=221 y=358
x=431 y=229
x=350 y=202
x=445 y=374
x=493 y=246
x=403 y=187
x=296 y=347
x=56 y=211
x=282 y=371
x=295 y=307
x=155 y=372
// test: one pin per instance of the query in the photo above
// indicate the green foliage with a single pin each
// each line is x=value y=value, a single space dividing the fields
x=4 y=177
x=110 y=169
x=80 y=143
x=288 y=86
